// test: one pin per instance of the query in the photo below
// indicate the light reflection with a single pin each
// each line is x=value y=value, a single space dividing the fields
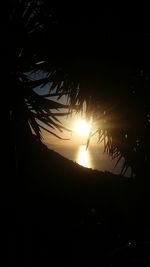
x=83 y=157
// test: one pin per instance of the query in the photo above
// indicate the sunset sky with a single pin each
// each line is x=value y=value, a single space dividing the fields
x=73 y=142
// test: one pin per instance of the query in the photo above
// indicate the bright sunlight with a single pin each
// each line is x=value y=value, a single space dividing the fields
x=82 y=127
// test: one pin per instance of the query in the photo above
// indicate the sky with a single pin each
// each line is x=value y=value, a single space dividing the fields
x=73 y=142
x=75 y=147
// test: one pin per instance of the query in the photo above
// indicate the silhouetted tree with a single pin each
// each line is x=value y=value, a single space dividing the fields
x=91 y=54
x=25 y=25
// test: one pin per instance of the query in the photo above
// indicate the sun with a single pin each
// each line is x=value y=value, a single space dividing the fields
x=82 y=127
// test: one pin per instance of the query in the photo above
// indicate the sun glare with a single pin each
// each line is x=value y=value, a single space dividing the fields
x=82 y=127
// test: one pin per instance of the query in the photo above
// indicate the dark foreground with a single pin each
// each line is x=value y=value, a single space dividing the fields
x=61 y=214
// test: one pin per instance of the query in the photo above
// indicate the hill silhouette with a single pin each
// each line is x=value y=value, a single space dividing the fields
x=68 y=214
